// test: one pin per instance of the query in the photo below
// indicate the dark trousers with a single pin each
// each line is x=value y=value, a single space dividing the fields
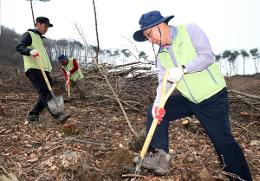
x=35 y=76
x=213 y=114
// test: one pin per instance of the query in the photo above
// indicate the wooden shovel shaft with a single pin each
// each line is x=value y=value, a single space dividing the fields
x=44 y=74
x=164 y=98
x=68 y=88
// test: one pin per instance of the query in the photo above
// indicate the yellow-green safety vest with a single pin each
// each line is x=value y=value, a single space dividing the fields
x=77 y=75
x=29 y=61
x=196 y=86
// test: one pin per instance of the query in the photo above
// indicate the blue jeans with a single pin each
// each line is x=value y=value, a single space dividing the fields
x=213 y=114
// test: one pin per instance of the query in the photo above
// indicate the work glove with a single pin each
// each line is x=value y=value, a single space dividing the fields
x=34 y=53
x=157 y=112
x=176 y=74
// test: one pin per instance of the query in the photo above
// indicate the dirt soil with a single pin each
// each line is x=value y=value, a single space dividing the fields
x=94 y=144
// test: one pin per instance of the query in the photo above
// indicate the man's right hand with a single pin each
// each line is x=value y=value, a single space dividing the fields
x=67 y=83
x=154 y=107
x=34 y=53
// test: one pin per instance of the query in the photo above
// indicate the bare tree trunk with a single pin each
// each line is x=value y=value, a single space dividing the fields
x=244 y=62
x=86 y=46
x=257 y=65
x=230 y=69
x=234 y=67
x=97 y=51
x=225 y=64
x=255 y=62
x=32 y=13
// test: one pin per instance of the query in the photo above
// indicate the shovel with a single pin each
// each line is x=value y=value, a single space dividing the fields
x=68 y=87
x=56 y=104
x=164 y=97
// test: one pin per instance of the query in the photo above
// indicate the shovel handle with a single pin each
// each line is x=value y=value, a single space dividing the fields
x=44 y=75
x=68 y=87
x=164 y=98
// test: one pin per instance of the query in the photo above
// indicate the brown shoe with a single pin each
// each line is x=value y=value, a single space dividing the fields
x=61 y=117
x=159 y=162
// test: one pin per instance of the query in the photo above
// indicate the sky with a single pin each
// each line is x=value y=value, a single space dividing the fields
x=229 y=24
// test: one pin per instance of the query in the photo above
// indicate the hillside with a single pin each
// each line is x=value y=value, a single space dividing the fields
x=94 y=143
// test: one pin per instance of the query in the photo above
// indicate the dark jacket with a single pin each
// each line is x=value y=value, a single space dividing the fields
x=25 y=41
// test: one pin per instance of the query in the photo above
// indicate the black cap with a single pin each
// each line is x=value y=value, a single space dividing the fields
x=44 y=20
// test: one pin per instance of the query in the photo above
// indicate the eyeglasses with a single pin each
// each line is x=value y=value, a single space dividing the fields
x=148 y=34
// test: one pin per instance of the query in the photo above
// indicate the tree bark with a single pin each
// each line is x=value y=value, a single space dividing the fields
x=32 y=13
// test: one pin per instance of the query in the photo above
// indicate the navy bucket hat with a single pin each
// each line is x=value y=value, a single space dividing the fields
x=149 y=20
x=62 y=57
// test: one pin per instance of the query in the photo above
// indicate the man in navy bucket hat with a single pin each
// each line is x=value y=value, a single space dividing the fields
x=185 y=52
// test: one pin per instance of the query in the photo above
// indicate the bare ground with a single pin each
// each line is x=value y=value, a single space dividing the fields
x=94 y=143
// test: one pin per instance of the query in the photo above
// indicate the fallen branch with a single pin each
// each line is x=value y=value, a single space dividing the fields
x=234 y=176
x=245 y=94
x=132 y=175
x=243 y=128
x=57 y=147
x=4 y=170
x=124 y=65
x=247 y=114
x=126 y=72
x=84 y=141
x=14 y=99
x=248 y=103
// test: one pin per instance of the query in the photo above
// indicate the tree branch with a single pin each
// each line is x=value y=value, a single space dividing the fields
x=106 y=78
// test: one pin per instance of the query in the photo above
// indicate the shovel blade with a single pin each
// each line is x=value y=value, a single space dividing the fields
x=56 y=105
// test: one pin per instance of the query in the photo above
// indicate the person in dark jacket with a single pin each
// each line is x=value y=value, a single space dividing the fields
x=32 y=48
